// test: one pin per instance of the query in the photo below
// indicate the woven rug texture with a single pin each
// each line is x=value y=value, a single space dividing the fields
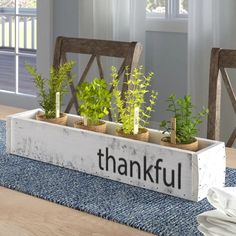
x=136 y=207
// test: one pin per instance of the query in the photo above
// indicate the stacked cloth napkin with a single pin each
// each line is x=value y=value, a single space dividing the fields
x=222 y=221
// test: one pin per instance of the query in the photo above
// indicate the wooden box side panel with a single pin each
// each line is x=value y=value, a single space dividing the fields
x=209 y=168
x=26 y=114
x=140 y=164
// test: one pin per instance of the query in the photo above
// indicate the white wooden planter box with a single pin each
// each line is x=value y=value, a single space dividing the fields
x=172 y=171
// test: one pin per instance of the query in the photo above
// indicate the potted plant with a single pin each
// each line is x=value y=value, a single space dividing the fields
x=182 y=128
x=94 y=101
x=133 y=111
x=51 y=91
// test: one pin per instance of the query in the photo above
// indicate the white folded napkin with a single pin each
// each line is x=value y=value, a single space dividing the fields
x=216 y=223
x=223 y=199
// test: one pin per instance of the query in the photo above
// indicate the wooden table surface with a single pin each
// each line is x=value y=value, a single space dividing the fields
x=24 y=215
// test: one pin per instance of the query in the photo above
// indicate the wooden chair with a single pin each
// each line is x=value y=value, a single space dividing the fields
x=220 y=60
x=129 y=52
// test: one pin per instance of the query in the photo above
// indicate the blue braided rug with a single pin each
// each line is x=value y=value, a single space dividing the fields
x=139 y=208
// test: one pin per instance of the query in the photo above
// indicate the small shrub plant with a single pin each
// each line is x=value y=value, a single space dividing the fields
x=138 y=89
x=94 y=100
x=58 y=81
x=186 y=121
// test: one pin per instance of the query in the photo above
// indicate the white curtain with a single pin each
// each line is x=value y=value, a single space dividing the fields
x=112 y=19
x=211 y=24
x=122 y=20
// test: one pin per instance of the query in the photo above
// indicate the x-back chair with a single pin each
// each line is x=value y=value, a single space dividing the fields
x=220 y=60
x=129 y=52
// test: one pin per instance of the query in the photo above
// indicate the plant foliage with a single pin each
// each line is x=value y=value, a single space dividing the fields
x=186 y=121
x=138 y=89
x=58 y=81
x=94 y=100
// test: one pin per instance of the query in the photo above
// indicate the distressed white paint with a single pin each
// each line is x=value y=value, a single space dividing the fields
x=77 y=149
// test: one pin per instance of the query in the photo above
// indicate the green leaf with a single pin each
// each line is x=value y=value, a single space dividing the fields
x=94 y=99
x=186 y=122
x=136 y=95
x=58 y=81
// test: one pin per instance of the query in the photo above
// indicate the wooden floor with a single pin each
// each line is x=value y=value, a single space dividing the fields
x=7 y=74
x=23 y=215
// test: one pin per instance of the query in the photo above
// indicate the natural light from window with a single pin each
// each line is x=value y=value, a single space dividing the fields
x=18 y=45
x=167 y=9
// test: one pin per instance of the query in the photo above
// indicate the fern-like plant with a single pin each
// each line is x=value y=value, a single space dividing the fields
x=58 y=81
x=138 y=89
x=94 y=100
x=186 y=121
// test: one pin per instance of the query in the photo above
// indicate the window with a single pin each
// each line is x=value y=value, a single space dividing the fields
x=167 y=15
x=167 y=9
x=18 y=27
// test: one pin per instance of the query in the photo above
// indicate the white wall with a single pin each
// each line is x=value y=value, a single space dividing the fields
x=65 y=18
x=166 y=56
x=44 y=35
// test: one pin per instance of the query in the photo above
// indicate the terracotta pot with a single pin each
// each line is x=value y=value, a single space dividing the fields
x=62 y=120
x=101 y=127
x=189 y=146
x=143 y=135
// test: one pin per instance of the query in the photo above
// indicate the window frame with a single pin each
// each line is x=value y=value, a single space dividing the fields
x=17 y=53
x=176 y=10
x=171 y=21
x=43 y=57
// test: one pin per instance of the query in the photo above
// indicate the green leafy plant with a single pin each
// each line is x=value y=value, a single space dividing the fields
x=138 y=89
x=186 y=121
x=94 y=100
x=58 y=81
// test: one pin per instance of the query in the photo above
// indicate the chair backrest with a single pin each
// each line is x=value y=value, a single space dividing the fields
x=220 y=60
x=129 y=52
